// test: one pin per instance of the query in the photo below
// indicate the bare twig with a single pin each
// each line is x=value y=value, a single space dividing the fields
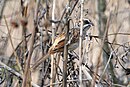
x=2 y=5
x=66 y=50
x=53 y=71
x=106 y=66
x=65 y=11
x=119 y=34
x=103 y=30
x=17 y=58
x=15 y=73
x=81 y=44
x=27 y=72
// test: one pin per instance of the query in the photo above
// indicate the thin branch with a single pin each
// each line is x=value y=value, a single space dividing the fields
x=68 y=81
x=2 y=5
x=65 y=12
x=119 y=34
x=66 y=46
x=53 y=71
x=106 y=66
x=17 y=58
x=103 y=31
x=15 y=73
x=27 y=66
x=81 y=44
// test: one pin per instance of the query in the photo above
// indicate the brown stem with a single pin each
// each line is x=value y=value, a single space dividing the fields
x=39 y=61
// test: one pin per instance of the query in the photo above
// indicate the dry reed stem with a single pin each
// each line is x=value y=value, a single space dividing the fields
x=15 y=73
x=65 y=53
x=27 y=72
x=53 y=71
x=101 y=49
x=81 y=44
x=17 y=58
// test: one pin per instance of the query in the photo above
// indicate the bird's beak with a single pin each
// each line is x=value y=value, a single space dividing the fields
x=92 y=24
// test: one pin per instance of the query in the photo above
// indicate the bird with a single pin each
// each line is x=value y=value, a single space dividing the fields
x=58 y=45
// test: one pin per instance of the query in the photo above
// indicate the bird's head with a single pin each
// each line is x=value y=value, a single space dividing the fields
x=87 y=24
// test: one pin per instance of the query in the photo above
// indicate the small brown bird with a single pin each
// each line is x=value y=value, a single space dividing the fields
x=58 y=45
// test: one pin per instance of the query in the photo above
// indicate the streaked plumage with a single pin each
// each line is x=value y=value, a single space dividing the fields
x=58 y=45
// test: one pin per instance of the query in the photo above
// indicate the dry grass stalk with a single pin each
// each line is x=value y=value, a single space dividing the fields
x=27 y=72
x=81 y=43
x=53 y=71
x=17 y=58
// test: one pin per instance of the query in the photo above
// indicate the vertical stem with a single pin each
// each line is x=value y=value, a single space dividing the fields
x=27 y=73
x=41 y=40
x=103 y=24
x=102 y=32
x=66 y=47
x=24 y=14
x=24 y=40
x=65 y=57
x=52 y=56
x=17 y=58
x=53 y=18
x=2 y=5
x=81 y=44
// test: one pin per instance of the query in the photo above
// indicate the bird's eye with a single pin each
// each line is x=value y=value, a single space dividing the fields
x=86 y=21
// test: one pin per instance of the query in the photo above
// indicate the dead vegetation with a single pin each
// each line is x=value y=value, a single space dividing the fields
x=64 y=43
